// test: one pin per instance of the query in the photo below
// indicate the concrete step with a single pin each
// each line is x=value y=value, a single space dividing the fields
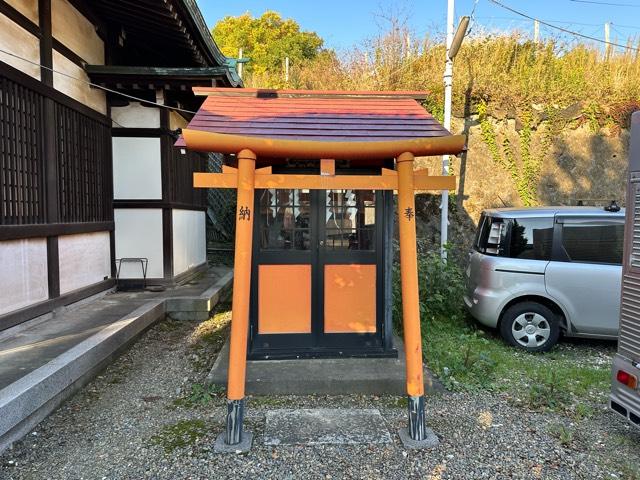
x=44 y=362
x=323 y=376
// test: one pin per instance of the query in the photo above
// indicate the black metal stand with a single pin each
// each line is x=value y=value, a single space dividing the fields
x=417 y=435
x=235 y=418
x=417 y=422
x=144 y=262
x=234 y=439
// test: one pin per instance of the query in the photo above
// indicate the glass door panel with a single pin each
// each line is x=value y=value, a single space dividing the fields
x=285 y=219
x=350 y=217
x=349 y=263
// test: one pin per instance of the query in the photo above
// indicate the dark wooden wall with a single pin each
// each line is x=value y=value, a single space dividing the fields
x=55 y=175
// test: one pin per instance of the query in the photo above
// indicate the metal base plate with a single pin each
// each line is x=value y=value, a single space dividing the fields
x=244 y=446
x=430 y=441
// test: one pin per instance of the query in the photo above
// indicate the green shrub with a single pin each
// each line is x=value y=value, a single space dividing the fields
x=453 y=347
x=441 y=286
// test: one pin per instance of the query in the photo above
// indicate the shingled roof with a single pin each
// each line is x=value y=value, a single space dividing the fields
x=316 y=124
x=315 y=115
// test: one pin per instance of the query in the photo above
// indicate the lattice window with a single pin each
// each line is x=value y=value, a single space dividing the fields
x=82 y=152
x=21 y=155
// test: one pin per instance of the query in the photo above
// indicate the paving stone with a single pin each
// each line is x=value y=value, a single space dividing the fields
x=325 y=426
x=244 y=446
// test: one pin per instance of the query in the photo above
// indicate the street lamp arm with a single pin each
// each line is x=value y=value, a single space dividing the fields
x=458 y=37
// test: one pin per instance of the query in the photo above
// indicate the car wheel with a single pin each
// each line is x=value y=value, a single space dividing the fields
x=530 y=326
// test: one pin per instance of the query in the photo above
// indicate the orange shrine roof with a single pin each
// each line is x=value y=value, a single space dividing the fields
x=292 y=117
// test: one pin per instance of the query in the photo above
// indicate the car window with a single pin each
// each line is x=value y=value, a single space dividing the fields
x=593 y=243
x=491 y=235
x=531 y=238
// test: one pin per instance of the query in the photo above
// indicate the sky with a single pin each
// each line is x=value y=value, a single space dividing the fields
x=345 y=23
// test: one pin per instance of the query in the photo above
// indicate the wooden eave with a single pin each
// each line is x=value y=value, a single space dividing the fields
x=181 y=78
x=172 y=29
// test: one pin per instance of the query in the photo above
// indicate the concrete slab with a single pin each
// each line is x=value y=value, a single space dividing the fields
x=28 y=346
x=244 y=446
x=322 y=426
x=430 y=441
x=27 y=401
x=44 y=361
x=323 y=376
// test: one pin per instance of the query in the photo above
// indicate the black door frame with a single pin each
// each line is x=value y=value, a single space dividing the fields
x=317 y=343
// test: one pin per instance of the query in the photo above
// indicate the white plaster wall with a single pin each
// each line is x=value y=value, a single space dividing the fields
x=78 y=90
x=76 y=32
x=18 y=41
x=135 y=115
x=137 y=171
x=139 y=234
x=84 y=259
x=23 y=273
x=189 y=240
x=29 y=8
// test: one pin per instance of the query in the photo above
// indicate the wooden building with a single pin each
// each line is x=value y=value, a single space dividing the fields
x=315 y=172
x=88 y=176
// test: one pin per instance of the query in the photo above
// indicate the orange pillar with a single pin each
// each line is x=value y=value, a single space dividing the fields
x=410 y=299
x=241 y=290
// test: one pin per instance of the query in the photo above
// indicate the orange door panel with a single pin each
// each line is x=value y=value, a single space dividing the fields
x=284 y=299
x=349 y=298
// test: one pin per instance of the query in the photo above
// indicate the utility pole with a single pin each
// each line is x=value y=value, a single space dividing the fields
x=448 y=87
x=607 y=39
x=286 y=69
x=536 y=31
x=240 y=64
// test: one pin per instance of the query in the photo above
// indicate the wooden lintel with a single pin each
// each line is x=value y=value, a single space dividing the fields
x=215 y=180
x=327 y=167
x=318 y=182
x=259 y=171
x=393 y=173
x=434 y=182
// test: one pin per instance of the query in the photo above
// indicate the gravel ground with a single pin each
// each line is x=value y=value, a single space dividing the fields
x=113 y=429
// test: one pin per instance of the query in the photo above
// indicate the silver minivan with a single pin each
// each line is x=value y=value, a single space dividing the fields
x=537 y=273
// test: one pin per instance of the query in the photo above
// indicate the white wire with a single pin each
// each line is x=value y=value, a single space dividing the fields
x=95 y=85
x=562 y=29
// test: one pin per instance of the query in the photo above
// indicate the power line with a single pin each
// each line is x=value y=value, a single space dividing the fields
x=622 y=35
x=554 y=21
x=562 y=29
x=95 y=85
x=635 y=27
x=607 y=3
